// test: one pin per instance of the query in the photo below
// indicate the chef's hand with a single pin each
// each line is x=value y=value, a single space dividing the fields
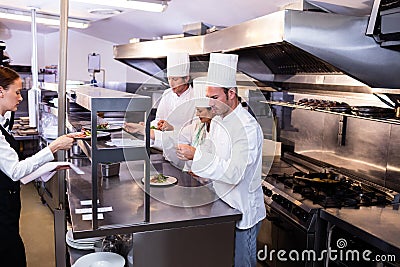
x=185 y=152
x=163 y=125
x=201 y=180
x=134 y=128
x=61 y=143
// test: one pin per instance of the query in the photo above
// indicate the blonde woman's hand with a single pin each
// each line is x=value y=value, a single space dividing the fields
x=61 y=143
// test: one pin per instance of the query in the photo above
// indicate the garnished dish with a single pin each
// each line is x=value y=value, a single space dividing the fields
x=82 y=134
x=103 y=126
x=161 y=180
x=86 y=134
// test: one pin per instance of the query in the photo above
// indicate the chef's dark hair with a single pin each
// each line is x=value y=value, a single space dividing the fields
x=7 y=77
x=226 y=90
x=243 y=103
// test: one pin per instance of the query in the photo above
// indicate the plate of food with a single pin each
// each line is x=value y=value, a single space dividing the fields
x=104 y=127
x=86 y=134
x=161 y=180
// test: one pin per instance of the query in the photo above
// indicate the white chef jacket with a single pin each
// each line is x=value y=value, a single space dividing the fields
x=176 y=110
x=12 y=166
x=192 y=134
x=173 y=109
x=232 y=158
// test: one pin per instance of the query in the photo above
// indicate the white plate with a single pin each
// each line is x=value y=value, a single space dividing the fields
x=89 y=240
x=100 y=259
x=111 y=127
x=170 y=180
x=100 y=134
x=79 y=246
x=125 y=142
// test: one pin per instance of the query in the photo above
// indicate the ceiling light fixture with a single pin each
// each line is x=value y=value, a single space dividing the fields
x=105 y=11
x=158 y=6
x=51 y=20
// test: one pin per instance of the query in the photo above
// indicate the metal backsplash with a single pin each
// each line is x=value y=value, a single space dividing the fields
x=370 y=148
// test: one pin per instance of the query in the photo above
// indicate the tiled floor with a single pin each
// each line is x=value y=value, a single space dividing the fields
x=37 y=229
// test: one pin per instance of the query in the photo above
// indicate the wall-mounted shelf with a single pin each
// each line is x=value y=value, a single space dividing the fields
x=292 y=105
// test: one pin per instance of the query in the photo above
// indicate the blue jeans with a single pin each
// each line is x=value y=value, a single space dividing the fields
x=246 y=247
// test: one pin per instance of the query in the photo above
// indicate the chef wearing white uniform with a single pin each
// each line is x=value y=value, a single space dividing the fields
x=195 y=133
x=174 y=109
x=174 y=99
x=234 y=161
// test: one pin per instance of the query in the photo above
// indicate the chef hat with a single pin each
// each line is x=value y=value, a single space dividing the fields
x=178 y=65
x=222 y=70
x=199 y=87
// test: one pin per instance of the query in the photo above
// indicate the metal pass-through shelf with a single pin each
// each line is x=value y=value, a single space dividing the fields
x=97 y=100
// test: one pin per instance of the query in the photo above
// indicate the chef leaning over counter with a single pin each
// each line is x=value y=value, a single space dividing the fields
x=195 y=132
x=234 y=159
x=174 y=109
x=13 y=167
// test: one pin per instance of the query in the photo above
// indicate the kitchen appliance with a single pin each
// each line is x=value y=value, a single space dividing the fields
x=292 y=223
x=295 y=191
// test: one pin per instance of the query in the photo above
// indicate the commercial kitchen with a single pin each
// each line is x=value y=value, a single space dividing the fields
x=322 y=78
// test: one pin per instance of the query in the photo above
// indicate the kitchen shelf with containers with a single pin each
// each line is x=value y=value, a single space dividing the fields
x=379 y=114
x=100 y=151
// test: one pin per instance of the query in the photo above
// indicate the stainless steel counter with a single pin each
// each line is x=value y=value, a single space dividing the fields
x=184 y=216
x=187 y=203
x=378 y=226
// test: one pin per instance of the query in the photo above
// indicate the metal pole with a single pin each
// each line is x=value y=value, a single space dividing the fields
x=60 y=228
x=62 y=69
x=35 y=91
x=34 y=61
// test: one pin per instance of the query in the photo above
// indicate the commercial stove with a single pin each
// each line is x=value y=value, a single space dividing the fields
x=296 y=189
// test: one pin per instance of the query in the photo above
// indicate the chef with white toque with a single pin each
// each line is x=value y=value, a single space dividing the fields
x=234 y=160
x=174 y=109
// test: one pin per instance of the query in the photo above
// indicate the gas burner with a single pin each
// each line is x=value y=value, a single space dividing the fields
x=285 y=179
x=330 y=190
x=329 y=202
x=350 y=202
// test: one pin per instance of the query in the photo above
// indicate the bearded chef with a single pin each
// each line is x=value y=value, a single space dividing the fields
x=234 y=160
x=174 y=109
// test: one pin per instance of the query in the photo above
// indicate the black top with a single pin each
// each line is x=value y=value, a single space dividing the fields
x=6 y=183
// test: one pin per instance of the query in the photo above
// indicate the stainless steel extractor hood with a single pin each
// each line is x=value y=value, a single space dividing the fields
x=289 y=48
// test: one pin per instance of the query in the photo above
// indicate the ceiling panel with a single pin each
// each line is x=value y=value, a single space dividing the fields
x=147 y=25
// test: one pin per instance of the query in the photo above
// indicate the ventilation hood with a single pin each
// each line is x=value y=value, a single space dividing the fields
x=287 y=49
